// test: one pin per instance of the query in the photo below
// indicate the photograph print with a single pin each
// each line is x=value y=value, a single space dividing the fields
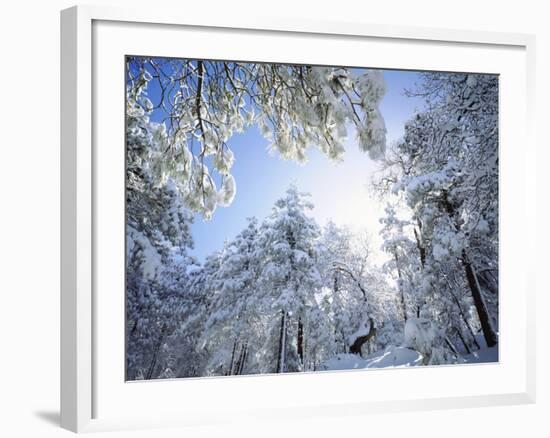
x=285 y=218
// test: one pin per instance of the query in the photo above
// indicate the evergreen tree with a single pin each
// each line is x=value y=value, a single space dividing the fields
x=234 y=326
x=289 y=279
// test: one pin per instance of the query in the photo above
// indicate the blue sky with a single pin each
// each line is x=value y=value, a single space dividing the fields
x=339 y=190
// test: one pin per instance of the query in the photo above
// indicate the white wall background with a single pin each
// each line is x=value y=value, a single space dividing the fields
x=29 y=215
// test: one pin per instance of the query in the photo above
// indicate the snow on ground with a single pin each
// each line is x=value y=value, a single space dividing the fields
x=391 y=357
x=344 y=362
x=395 y=357
x=398 y=357
x=482 y=356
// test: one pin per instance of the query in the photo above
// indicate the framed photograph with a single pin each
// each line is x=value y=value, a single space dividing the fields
x=269 y=218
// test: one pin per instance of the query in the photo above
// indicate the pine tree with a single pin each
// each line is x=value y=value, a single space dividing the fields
x=234 y=324
x=289 y=279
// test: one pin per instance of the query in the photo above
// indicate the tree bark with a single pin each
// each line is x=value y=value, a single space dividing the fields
x=451 y=345
x=355 y=348
x=465 y=320
x=239 y=360
x=489 y=333
x=300 y=341
x=421 y=251
x=242 y=358
x=156 y=352
x=421 y=248
x=282 y=344
x=466 y=346
x=401 y=293
x=232 y=357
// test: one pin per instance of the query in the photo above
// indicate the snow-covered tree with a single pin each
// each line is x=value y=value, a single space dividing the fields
x=289 y=278
x=346 y=286
x=235 y=322
x=405 y=260
x=447 y=174
x=424 y=336
x=157 y=242
x=189 y=355
x=284 y=294
x=203 y=103
x=182 y=162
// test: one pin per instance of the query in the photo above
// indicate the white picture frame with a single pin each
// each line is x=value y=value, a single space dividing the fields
x=92 y=393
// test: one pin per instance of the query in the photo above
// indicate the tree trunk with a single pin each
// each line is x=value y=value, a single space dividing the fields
x=282 y=344
x=156 y=352
x=300 y=343
x=421 y=248
x=451 y=345
x=245 y=357
x=465 y=319
x=230 y=372
x=355 y=348
x=242 y=358
x=466 y=346
x=401 y=294
x=422 y=252
x=489 y=333
x=239 y=360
